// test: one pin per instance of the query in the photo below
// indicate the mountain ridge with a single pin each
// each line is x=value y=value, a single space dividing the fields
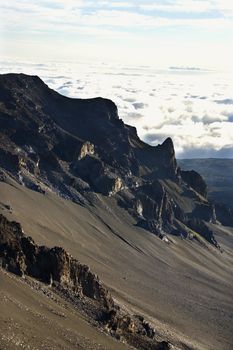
x=81 y=146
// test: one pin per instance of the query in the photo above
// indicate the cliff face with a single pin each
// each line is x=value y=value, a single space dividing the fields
x=66 y=129
x=74 y=147
x=20 y=255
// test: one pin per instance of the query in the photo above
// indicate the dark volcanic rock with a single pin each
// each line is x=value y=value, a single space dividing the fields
x=201 y=227
x=35 y=116
x=19 y=254
x=74 y=147
x=195 y=180
x=204 y=211
x=224 y=214
x=11 y=254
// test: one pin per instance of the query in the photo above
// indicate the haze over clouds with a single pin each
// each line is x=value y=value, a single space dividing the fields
x=162 y=32
x=120 y=49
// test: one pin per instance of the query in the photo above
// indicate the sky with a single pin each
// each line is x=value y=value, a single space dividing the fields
x=162 y=32
x=166 y=64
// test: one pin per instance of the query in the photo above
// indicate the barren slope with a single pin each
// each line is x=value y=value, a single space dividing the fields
x=33 y=319
x=184 y=288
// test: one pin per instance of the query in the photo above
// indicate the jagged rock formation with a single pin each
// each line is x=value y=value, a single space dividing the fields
x=20 y=255
x=194 y=180
x=74 y=147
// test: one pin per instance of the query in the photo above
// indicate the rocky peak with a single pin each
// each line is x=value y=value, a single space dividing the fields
x=169 y=146
x=168 y=157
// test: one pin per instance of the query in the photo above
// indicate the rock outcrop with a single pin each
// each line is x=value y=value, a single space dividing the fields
x=19 y=254
x=86 y=149
x=195 y=181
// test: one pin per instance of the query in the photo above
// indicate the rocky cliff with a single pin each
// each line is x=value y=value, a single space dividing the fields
x=75 y=147
x=20 y=255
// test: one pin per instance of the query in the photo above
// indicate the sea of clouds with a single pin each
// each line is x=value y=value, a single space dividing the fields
x=192 y=106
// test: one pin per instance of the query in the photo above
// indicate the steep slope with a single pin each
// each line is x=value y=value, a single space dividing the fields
x=74 y=175
x=34 y=317
x=183 y=289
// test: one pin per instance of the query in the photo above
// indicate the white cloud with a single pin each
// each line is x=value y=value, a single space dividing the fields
x=192 y=6
x=179 y=6
x=120 y=30
x=71 y=14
